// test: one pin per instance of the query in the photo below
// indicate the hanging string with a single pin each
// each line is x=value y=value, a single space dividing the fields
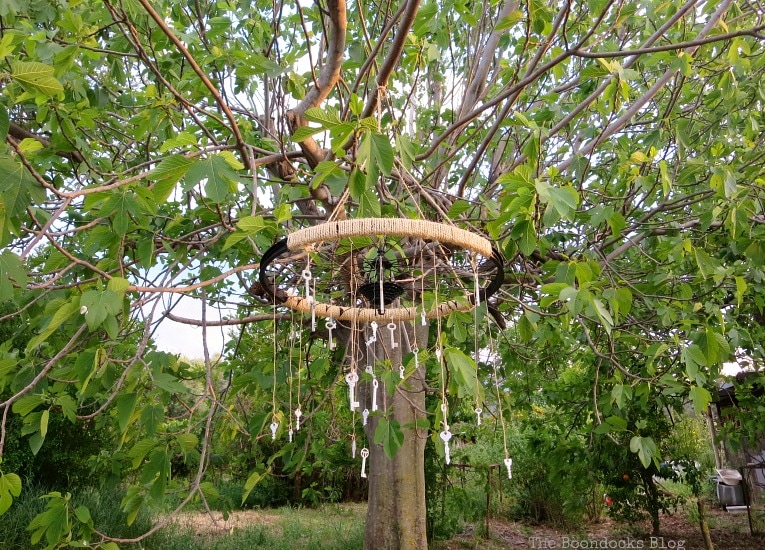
x=478 y=410
x=508 y=461
x=274 y=419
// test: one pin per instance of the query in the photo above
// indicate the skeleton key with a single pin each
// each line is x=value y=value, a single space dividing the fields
x=307 y=278
x=291 y=433
x=352 y=377
x=477 y=293
x=401 y=371
x=509 y=466
x=375 y=384
x=313 y=313
x=364 y=455
x=446 y=435
x=364 y=416
x=274 y=427
x=373 y=338
x=392 y=328
x=353 y=447
x=423 y=320
x=330 y=324
x=298 y=414
x=416 y=353
x=478 y=412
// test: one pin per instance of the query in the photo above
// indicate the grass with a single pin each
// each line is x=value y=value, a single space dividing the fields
x=330 y=527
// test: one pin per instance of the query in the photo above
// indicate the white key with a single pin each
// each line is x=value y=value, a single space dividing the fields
x=509 y=466
x=364 y=455
x=353 y=448
x=375 y=384
x=370 y=370
x=307 y=278
x=446 y=435
x=291 y=433
x=330 y=324
x=373 y=338
x=416 y=353
x=364 y=416
x=274 y=427
x=401 y=371
x=352 y=377
x=392 y=329
x=298 y=414
x=424 y=321
x=477 y=290
x=478 y=412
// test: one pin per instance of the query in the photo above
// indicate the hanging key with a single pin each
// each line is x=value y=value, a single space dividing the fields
x=307 y=278
x=401 y=371
x=446 y=435
x=364 y=455
x=330 y=324
x=416 y=353
x=313 y=313
x=477 y=290
x=353 y=447
x=373 y=338
x=509 y=466
x=352 y=377
x=423 y=319
x=291 y=433
x=370 y=370
x=298 y=414
x=478 y=412
x=364 y=416
x=375 y=385
x=392 y=329
x=274 y=427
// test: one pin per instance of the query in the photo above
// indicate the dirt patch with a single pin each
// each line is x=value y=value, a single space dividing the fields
x=213 y=525
x=729 y=532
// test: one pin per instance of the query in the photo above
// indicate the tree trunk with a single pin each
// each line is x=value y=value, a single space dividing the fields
x=704 y=525
x=396 y=513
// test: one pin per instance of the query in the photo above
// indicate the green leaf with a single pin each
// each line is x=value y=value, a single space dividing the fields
x=700 y=398
x=17 y=187
x=253 y=479
x=382 y=153
x=357 y=184
x=251 y=224
x=389 y=434
x=5 y=121
x=221 y=177
x=10 y=486
x=27 y=404
x=525 y=235
x=169 y=383
x=187 y=441
x=283 y=212
x=36 y=76
x=12 y=274
x=171 y=169
x=509 y=21
x=463 y=370
x=100 y=305
x=44 y=418
x=304 y=132
x=327 y=120
x=125 y=406
x=645 y=449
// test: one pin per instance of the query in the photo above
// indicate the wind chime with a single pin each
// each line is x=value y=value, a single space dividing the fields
x=372 y=274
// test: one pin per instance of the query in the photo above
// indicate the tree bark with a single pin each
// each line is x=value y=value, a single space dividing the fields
x=396 y=516
x=703 y=525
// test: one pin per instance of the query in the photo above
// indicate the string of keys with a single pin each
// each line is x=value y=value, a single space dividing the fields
x=352 y=378
x=364 y=456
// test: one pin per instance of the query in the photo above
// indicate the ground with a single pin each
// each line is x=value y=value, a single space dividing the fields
x=678 y=531
x=729 y=532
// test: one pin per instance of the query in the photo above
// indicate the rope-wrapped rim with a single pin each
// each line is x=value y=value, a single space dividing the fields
x=307 y=238
x=396 y=227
